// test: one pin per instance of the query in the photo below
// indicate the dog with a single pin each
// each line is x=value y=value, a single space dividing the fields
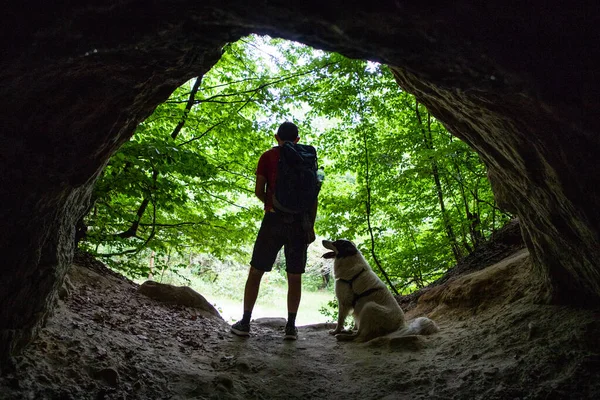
x=359 y=290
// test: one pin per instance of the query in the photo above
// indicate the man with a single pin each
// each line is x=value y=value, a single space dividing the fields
x=278 y=229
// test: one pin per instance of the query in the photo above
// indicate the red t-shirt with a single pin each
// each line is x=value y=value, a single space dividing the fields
x=267 y=167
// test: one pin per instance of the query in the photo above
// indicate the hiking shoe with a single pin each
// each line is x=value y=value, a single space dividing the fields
x=241 y=329
x=291 y=333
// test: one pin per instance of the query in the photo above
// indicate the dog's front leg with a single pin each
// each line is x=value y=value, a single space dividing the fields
x=343 y=312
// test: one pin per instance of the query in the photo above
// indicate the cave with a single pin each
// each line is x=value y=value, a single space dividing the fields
x=516 y=82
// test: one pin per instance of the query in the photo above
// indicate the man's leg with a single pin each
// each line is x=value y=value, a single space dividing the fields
x=295 y=257
x=251 y=290
x=294 y=292
x=242 y=327
x=268 y=242
x=293 y=302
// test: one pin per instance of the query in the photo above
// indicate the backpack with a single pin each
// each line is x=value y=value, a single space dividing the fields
x=296 y=186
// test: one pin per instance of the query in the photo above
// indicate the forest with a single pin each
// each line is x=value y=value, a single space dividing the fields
x=180 y=194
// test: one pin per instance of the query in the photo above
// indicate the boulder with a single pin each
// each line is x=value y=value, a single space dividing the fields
x=181 y=295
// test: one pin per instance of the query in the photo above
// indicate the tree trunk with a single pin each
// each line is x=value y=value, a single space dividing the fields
x=438 y=185
x=151 y=265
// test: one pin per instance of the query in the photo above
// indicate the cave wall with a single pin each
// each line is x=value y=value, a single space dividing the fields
x=515 y=81
x=75 y=84
x=549 y=182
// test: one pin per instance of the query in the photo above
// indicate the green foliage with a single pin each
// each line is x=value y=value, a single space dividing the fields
x=330 y=310
x=397 y=183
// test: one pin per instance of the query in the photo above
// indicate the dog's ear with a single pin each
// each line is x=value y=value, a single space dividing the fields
x=330 y=254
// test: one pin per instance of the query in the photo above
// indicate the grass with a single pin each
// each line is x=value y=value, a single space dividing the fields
x=227 y=290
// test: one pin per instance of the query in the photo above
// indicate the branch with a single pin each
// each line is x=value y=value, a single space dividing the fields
x=217 y=101
x=214 y=126
x=262 y=86
x=132 y=231
x=253 y=93
x=479 y=200
x=122 y=253
x=185 y=224
x=232 y=83
x=212 y=87
x=188 y=107
x=415 y=280
x=225 y=200
x=150 y=237
x=235 y=173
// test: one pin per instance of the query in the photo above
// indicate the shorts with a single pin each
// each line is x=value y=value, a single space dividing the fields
x=280 y=230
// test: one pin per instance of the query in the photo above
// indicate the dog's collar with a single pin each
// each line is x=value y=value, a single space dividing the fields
x=351 y=280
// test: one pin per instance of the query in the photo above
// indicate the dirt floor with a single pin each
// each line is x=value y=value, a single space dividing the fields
x=107 y=341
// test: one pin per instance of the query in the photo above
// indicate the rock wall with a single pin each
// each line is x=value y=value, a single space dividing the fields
x=549 y=181
x=516 y=82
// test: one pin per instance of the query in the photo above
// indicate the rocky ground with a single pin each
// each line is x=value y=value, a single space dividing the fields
x=108 y=341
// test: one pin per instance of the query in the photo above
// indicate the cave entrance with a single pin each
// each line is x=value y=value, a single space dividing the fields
x=106 y=69
x=176 y=203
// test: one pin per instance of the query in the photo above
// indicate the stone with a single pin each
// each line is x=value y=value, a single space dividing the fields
x=271 y=322
x=182 y=295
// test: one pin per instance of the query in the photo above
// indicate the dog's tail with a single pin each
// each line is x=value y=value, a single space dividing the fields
x=420 y=326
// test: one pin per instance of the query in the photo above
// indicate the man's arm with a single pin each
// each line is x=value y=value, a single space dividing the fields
x=260 y=189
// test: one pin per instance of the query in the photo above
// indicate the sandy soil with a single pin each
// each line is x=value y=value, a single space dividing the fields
x=106 y=341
